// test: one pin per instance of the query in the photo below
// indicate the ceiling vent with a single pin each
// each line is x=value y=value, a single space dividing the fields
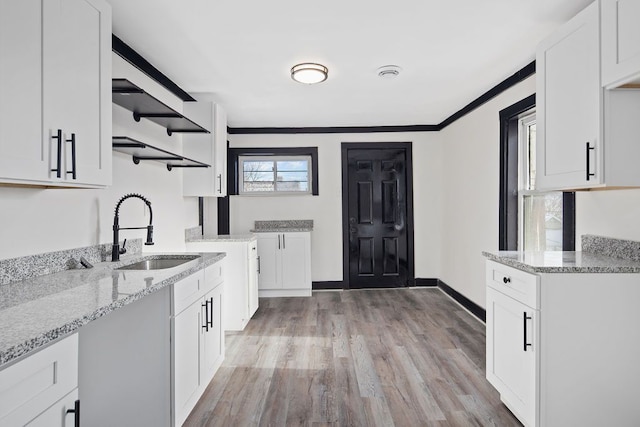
x=389 y=71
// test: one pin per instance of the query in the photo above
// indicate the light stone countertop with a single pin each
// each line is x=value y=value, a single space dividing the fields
x=564 y=262
x=39 y=310
x=224 y=238
x=283 y=226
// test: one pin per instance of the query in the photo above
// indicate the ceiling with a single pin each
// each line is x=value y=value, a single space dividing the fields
x=451 y=52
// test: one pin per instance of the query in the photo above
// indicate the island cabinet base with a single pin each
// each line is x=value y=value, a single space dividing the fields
x=561 y=348
x=124 y=365
x=148 y=363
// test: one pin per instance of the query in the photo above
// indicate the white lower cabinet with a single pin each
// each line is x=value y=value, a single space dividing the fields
x=511 y=367
x=284 y=264
x=148 y=363
x=558 y=350
x=198 y=344
x=240 y=277
x=41 y=389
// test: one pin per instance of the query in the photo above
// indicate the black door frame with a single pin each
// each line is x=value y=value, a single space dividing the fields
x=407 y=147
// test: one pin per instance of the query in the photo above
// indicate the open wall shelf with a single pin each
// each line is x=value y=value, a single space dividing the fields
x=142 y=151
x=136 y=100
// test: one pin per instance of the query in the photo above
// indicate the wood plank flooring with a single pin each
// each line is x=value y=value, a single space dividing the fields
x=392 y=357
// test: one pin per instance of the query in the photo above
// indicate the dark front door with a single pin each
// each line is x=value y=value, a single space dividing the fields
x=376 y=225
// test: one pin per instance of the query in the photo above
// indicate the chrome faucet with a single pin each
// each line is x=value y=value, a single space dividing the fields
x=116 y=251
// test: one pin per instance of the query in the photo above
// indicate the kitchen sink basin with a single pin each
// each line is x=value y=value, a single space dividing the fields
x=158 y=263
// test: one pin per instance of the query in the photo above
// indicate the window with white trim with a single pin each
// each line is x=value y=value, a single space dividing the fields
x=262 y=175
x=540 y=215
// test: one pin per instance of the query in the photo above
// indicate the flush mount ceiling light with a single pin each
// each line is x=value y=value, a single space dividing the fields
x=309 y=73
x=389 y=71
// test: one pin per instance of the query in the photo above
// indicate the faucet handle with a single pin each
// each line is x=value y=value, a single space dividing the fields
x=123 y=250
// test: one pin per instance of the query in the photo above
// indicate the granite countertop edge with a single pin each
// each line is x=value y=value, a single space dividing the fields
x=47 y=337
x=282 y=230
x=231 y=238
x=613 y=265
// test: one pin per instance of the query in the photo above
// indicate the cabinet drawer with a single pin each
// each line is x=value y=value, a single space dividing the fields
x=213 y=276
x=37 y=382
x=187 y=290
x=520 y=285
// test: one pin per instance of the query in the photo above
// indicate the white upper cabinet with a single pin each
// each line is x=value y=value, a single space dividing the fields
x=620 y=41
x=210 y=148
x=55 y=86
x=585 y=136
x=568 y=102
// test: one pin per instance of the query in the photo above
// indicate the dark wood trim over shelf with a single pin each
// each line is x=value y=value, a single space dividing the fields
x=142 y=151
x=134 y=58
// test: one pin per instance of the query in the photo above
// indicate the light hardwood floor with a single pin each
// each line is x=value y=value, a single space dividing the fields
x=403 y=357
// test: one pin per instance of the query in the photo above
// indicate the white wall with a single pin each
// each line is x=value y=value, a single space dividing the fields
x=611 y=213
x=34 y=221
x=326 y=209
x=470 y=181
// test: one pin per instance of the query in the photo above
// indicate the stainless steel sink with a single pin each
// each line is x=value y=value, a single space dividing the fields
x=159 y=262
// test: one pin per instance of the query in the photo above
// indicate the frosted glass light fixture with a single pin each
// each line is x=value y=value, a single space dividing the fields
x=309 y=73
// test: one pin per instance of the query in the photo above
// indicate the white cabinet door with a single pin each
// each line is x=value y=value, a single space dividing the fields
x=512 y=353
x=62 y=77
x=58 y=414
x=620 y=41
x=211 y=335
x=253 y=277
x=295 y=260
x=209 y=148
x=23 y=146
x=269 y=245
x=186 y=348
x=76 y=85
x=220 y=147
x=569 y=104
x=31 y=386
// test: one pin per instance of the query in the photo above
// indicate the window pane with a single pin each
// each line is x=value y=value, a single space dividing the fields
x=543 y=222
x=531 y=137
x=282 y=174
x=254 y=166
x=292 y=165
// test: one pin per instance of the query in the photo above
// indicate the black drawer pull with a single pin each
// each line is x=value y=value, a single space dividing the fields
x=73 y=156
x=525 y=318
x=506 y=280
x=589 y=174
x=58 y=169
x=206 y=316
x=76 y=413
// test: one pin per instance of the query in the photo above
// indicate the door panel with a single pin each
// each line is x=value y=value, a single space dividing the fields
x=378 y=246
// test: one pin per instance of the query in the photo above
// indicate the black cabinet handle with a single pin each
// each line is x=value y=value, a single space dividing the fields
x=278 y=241
x=73 y=156
x=506 y=280
x=58 y=169
x=76 y=413
x=587 y=149
x=206 y=316
x=284 y=246
x=211 y=312
x=258 y=265
x=525 y=318
x=220 y=183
